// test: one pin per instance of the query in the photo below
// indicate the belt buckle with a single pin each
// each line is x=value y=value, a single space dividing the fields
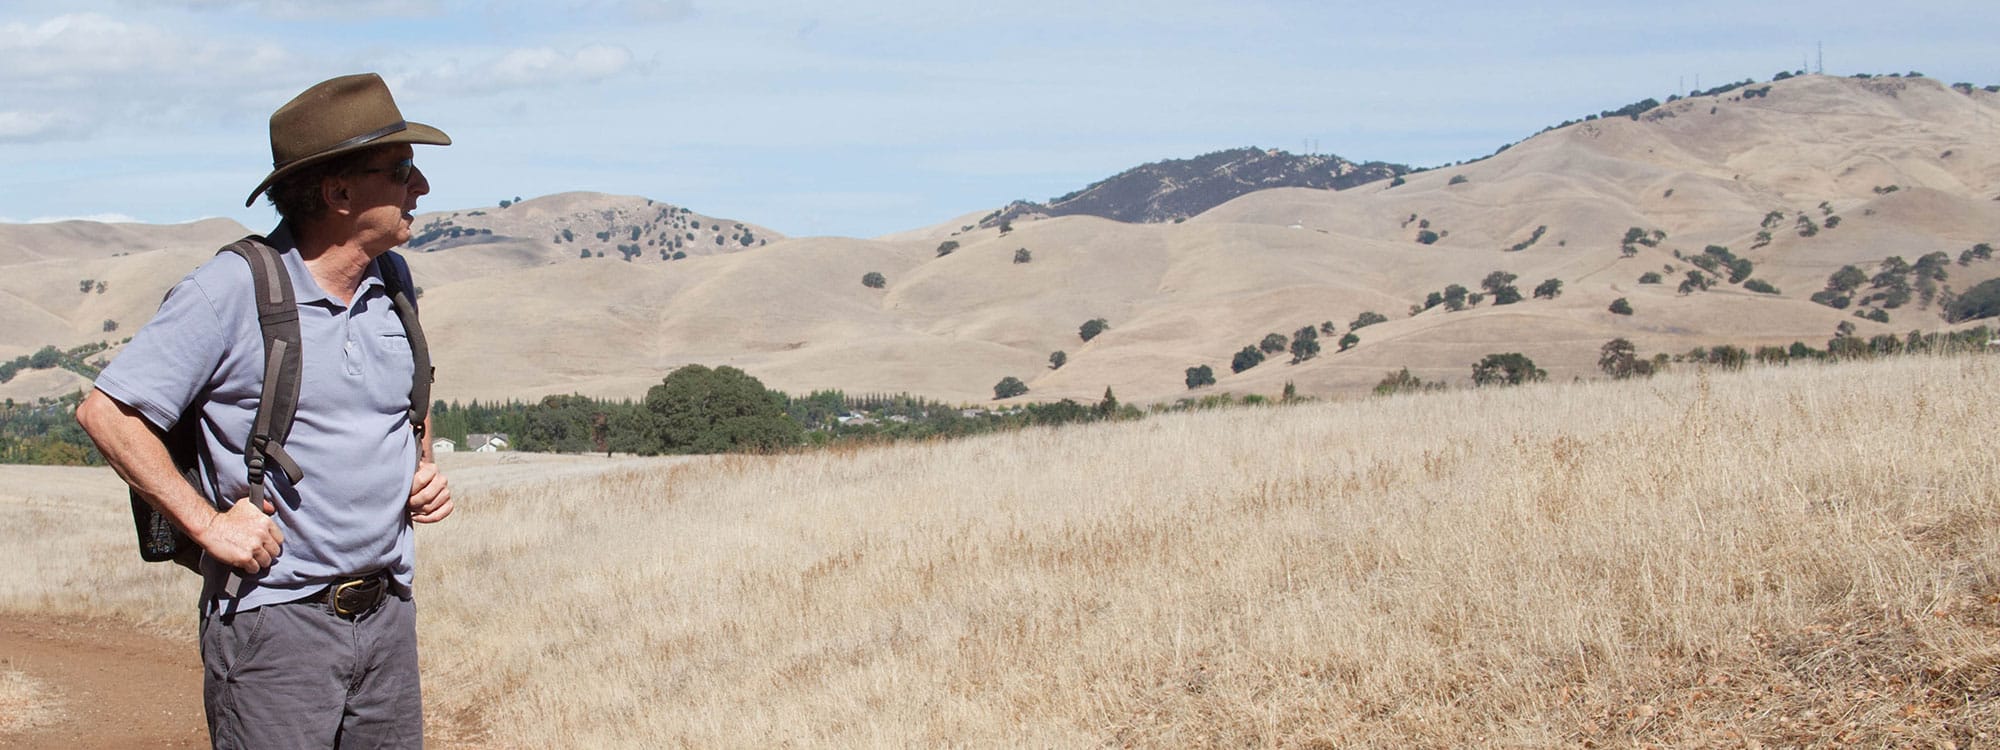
x=341 y=589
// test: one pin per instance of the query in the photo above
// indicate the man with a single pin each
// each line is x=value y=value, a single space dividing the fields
x=308 y=631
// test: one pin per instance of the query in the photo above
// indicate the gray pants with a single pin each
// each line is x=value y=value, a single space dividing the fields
x=299 y=676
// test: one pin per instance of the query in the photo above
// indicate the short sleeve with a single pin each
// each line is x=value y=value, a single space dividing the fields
x=172 y=359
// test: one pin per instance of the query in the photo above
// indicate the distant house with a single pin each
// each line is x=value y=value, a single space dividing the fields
x=486 y=442
x=444 y=445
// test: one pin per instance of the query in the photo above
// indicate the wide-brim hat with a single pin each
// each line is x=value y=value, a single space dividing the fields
x=335 y=117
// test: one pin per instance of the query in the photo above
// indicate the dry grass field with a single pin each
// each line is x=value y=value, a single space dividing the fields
x=1798 y=556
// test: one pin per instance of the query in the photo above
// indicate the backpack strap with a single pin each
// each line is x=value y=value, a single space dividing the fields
x=278 y=318
x=396 y=276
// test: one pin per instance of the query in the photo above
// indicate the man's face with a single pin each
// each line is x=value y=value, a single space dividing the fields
x=385 y=196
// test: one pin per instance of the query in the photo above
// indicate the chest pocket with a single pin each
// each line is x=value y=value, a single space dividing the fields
x=395 y=344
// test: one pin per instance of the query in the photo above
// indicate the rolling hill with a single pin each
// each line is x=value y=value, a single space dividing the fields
x=1909 y=167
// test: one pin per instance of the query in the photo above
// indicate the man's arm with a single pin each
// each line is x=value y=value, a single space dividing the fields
x=430 y=493
x=245 y=537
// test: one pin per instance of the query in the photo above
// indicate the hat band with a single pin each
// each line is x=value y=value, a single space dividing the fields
x=395 y=127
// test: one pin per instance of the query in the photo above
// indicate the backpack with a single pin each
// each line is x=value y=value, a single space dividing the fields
x=278 y=317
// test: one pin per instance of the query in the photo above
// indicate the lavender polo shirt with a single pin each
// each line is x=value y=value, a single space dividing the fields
x=352 y=436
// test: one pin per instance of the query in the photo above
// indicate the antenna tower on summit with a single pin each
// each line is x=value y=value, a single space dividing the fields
x=1819 y=64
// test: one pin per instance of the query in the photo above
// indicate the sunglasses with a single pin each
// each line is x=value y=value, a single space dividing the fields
x=400 y=172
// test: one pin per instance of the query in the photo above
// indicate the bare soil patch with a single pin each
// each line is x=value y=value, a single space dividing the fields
x=115 y=685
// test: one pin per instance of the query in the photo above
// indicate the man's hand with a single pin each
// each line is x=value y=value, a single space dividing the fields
x=243 y=537
x=430 y=494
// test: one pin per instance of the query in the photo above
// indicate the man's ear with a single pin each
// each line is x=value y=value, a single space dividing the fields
x=334 y=191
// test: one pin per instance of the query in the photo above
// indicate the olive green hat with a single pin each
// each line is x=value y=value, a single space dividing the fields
x=336 y=117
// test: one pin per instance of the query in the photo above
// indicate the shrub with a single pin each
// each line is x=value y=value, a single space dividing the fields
x=1831 y=298
x=1549 y=289
x=1427 y=236
x=1057 y=359
x=110 y=325
x=1348 y=341
x=1760 y=286
x=1401 y=381
x=1649 y=277
x=1536 y=237
x=1200 y=376
x=1091 y=328
x=873 y=280
x=1009 y=387
x=1512 y=368
x=1364 y=320
x=1457 y=179
x=1621 y=307
x=1245 y=359
x=1023 y=256
x=946 y=248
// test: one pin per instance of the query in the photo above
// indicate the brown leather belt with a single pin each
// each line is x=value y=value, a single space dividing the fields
x=353 y=597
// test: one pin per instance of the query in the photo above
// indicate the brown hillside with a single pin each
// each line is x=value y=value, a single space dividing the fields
x=514 y=314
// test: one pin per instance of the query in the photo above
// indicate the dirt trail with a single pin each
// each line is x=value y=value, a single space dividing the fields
x=117 y=686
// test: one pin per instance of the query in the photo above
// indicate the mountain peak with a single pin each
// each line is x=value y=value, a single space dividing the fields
x=1176 y=189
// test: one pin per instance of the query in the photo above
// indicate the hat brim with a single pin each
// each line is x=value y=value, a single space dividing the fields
x=413 y=132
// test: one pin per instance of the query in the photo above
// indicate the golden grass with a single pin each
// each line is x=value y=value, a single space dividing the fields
x=1790 y=556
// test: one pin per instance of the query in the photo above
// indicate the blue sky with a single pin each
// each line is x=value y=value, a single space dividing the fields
x=865 y=118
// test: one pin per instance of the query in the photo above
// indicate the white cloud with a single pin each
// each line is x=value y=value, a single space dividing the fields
x=539 y=67
x=521 y=69
x=305 y=10
x=37 y=127
x=87 y=51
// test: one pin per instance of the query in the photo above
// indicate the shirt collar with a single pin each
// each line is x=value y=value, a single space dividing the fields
x=304 y=286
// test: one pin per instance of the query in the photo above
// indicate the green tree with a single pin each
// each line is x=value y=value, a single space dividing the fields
x=1200 y=376
x=1549 y=289
x=1695 y=282
x=1454 y=297
x=1107 y=407
x=699 y=410
x=1981 y=301
x=1305 y=344
x=1249 y=357
x=1092 y=327
x=1057 y=359
x=1348 y=341
x=1619 y=359
x=1023 y=256
x=873 y=280
x=1847 y=279
x=1621 y=307
x=1273 y=343
x=1649 y=277
x=45 y=358
x=1361 y=321
x=1009 y=387
x=1512 y=368
x=945 y=248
